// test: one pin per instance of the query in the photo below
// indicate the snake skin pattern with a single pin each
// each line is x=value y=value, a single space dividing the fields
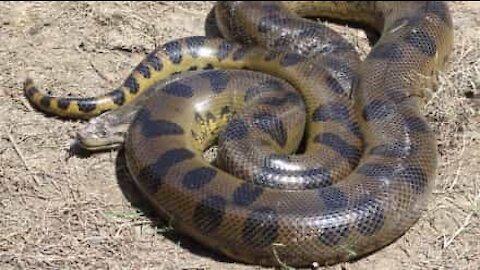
x=374 y=153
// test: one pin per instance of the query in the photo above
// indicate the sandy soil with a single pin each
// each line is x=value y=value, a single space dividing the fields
x=62 y=211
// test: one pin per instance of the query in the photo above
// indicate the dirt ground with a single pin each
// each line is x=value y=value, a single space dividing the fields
x=63 y=211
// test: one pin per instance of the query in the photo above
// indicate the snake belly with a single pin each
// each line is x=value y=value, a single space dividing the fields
x=373 y=205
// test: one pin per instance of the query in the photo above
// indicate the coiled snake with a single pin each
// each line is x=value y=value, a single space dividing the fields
x=370 y=156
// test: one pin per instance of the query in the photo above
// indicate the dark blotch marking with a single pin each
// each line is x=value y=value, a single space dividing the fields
x=291 y=59
x=208 y=67
x=240 y=53
x=210 y=117
x=378 y=109
x=153 y=174
x=45 y=101
x=144 y=70
x=339 y=145
x=225 y=112
x=132 y=84
x=416 y=177
x=198 y=178
x=422 y=41
x=273 y=85
x=274 y=101
x=387 y=51
x=333 y=234
x=236 y=130
x=376 y=171
x=154 y=128
x=271 y=125
x=246 y=194
x=333 y=198
x=208 y=215
x=223 y=50
x=252 y=92
x=370 y=216
x=155 y=62
x=174 y=51
x=397 y=96
x=263 y=87
x=416 y=124
x=192 y=68
x=280 y=101
x=198 y=118
x=285 y=43
x=331 y=112
x=309 y=31
x=195 y=135
x=118 y=97
x=178 y=89
x=87 y=104
x=63 y=103
x=31 y=91
x=337 y=112
x=355 y=129
x=261 y=227
x=334 y=85
x=194 y=44
x=218 y=80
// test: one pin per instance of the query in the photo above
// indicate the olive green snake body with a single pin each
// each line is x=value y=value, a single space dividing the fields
x=369 y=159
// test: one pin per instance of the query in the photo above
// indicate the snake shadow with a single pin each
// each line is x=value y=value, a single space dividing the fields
x=138 y=201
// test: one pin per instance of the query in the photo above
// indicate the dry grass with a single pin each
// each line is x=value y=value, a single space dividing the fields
x=60 y=211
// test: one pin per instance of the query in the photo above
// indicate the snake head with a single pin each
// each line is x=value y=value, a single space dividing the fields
x=105 y=132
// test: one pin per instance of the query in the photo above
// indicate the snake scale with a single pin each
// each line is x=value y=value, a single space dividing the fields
x=370 y=154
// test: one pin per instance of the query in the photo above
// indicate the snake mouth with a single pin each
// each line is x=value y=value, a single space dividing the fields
x=99 y=144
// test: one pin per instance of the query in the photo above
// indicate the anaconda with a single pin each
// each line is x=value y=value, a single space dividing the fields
x=355 y=205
